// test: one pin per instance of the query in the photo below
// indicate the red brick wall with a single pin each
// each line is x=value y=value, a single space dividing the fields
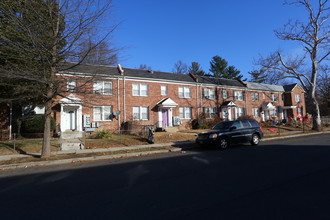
x=85 y=92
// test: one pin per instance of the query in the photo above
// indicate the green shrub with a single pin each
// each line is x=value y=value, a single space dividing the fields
x=35 y=124
x=100 y=134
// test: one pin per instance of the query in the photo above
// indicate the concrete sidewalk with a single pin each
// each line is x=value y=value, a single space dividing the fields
x=116 y=152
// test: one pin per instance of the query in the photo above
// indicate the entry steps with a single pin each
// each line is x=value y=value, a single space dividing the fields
x=72 y=140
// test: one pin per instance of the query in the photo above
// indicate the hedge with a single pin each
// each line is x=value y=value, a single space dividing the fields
x=35 y=124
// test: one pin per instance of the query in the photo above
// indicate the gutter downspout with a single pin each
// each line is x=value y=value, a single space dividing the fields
x=118 y=98
x=121 y=72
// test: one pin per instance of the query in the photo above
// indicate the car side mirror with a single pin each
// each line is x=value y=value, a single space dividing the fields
x=233 y=128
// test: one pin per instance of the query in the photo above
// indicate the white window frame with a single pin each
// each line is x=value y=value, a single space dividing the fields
x=163 y=90
x=99 y=87
x=185 y=112
x=299 y=110
x=210 y=112
x=273 y=97
x=298 y=98
x=104 y=114
x=225 y=94
x=256 y=112
x=238 y=95
x=140 y=113
x=239 y=112
x=139 y=89
x=255 y=96
x=184 y=92
x=208 y=93
x=71 y=85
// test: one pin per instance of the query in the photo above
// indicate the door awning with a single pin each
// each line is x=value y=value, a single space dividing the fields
x=268 y=106
x=228 y=104
x=71 y=99
x=167 y=103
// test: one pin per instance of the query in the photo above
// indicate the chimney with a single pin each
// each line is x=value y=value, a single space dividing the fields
x=120 y=69
x=194 y=77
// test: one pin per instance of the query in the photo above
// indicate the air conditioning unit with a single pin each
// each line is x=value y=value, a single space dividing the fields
x=95 y=124
x=176 y=121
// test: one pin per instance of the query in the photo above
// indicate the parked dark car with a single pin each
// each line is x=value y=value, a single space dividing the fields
x=226 y=133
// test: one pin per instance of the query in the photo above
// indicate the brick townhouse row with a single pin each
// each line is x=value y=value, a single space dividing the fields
x=104 y=97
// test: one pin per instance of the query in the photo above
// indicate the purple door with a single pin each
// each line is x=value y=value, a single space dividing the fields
x=165 y=117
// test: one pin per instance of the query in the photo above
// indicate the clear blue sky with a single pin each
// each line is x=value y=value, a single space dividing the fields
x=161 y=32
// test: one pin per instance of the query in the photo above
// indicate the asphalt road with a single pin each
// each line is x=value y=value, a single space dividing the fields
x=283 y=179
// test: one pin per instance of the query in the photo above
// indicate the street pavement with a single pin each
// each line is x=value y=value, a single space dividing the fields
x=280 y=179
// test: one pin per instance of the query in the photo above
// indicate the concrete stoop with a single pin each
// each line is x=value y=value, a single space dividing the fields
x=70 y=140
x=171 y=129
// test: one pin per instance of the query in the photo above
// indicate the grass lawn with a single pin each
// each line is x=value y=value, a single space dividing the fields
x=27 y=146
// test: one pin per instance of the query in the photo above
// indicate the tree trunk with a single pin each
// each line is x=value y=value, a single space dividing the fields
x=48 y=110
x=317 y=126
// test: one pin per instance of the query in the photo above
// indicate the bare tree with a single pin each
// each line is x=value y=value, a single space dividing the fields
x=102 y=53
x=314 y=37
x=180 y=67
x=144 y=67
x=323 y=92
x=37 y=36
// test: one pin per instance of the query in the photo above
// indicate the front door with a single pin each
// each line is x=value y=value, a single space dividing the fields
x=226 y=114
x=164 y=117
x=70 y=118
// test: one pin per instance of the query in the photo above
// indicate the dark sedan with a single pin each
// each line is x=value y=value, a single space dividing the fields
x=225 y=133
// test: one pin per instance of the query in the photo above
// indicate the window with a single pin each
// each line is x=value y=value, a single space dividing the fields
x=239 y=95
x=210 y=112
x=184 y=92
x=103 y=87
x=163 y=90
x=299 y=111
x=239 y=112
x=185 y=112
x=236 y=124
x=209 y=93
x=225 y=94
x=298 y=98
x=140 y=89
x=245 y=124
x=254 y=96
x=102 y=113
x=71 y=85
x=140 y=113
x=255 y=112
x=273 y=97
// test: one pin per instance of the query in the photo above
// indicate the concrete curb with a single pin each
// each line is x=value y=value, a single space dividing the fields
x=295 y=135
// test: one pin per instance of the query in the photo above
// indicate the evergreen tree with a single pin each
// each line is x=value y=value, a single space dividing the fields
x=258 y=76
x=196 y=69
x=220 y=69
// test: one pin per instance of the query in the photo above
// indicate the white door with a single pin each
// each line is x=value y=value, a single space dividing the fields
x=70 y=119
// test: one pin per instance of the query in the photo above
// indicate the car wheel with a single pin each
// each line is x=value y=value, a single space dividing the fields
x=223 y=143
x=255 y=139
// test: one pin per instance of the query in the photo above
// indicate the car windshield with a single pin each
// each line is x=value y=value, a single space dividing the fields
x=222 y=125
